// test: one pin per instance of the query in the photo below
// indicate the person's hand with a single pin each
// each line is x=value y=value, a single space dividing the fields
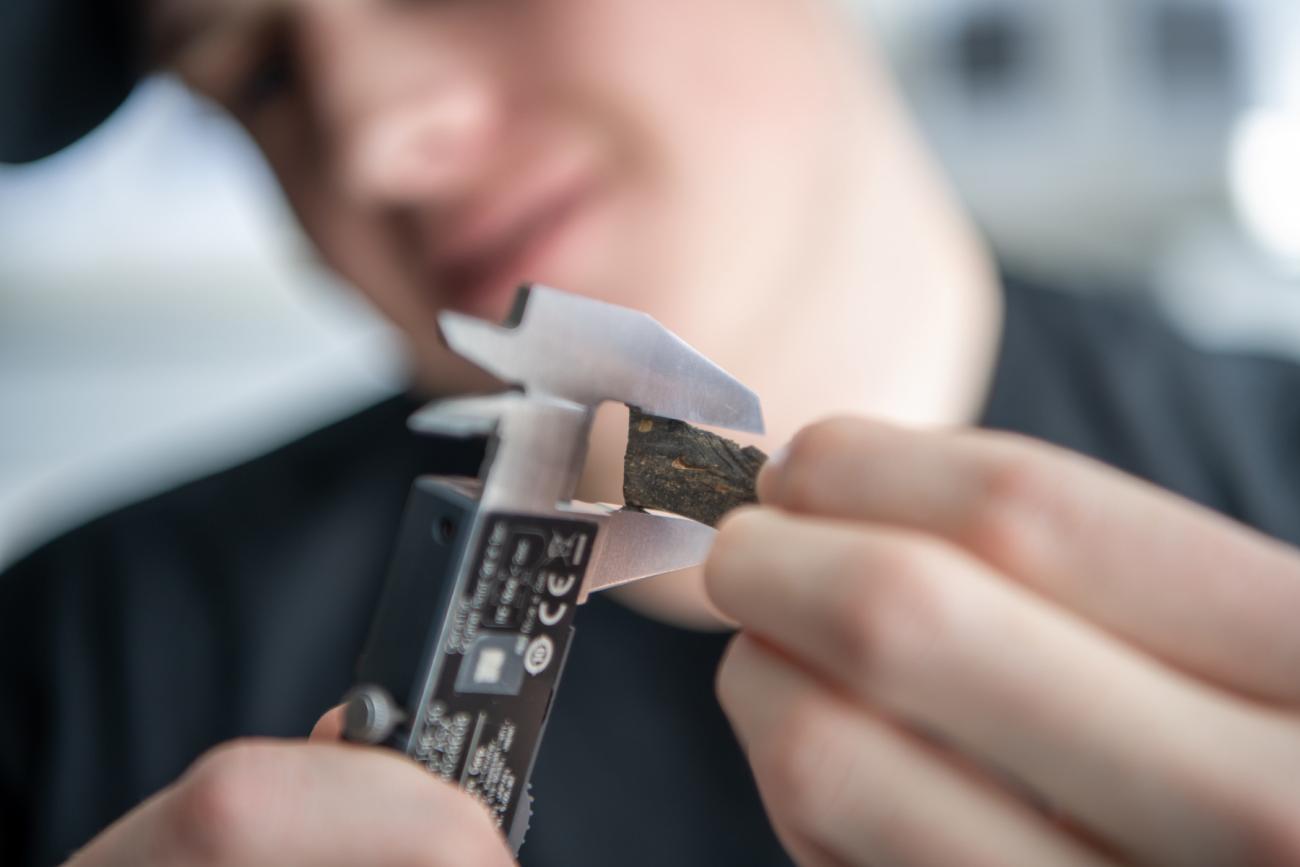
x=313 y=804
x=964 y=648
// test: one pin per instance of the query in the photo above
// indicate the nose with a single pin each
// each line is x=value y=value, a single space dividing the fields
x=408 y=99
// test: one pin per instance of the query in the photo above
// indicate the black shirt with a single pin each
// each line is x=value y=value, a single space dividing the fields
x=237 y=605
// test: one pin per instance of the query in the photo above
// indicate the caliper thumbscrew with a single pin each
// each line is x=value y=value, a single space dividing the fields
x=370 y=715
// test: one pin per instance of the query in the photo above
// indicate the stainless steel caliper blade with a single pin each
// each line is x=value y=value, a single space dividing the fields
x=588 y=352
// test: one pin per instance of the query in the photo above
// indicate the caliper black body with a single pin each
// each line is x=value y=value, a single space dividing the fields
x=470 y=640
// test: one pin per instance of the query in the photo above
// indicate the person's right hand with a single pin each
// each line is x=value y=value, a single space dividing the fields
x=287 y=803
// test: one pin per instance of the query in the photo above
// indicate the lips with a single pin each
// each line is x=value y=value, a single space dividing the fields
x=502 y=239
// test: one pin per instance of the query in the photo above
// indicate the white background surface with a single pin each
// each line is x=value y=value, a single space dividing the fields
x=159 y=318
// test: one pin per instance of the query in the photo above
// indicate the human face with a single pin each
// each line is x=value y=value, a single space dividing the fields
x=670 y=156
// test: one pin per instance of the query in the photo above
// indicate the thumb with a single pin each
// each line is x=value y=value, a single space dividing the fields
x=329 y=727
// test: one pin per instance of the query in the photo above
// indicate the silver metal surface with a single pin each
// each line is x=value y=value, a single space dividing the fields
x=370 y=715
x=539 y=445
x=635 y=545
x=588 y=352
x=569 y=354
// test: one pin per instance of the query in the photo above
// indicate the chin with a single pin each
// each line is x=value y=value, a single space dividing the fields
x=677 y=598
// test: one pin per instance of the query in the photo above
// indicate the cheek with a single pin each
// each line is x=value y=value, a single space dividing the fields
x=712 y=109
x=718 y=83
x=361 y=244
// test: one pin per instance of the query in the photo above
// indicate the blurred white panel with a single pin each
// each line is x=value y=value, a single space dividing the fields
x=1266 y=180
x=1265 y=170
x=1147 y=145
x=159 y=318
x=1224 y=295
x=1079 y=131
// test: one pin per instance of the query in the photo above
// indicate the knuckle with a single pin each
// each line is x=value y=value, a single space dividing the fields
x=1018 y=495
x=893 y=611
x=219 y=811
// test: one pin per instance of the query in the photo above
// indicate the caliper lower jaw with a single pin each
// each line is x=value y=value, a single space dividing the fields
x=537 y=447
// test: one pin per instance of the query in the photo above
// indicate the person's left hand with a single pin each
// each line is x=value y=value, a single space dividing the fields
x=970 y=648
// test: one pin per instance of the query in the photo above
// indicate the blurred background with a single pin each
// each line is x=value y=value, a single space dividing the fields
x=160 y=316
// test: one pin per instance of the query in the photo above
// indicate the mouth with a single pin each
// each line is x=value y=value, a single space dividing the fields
x=481 y=259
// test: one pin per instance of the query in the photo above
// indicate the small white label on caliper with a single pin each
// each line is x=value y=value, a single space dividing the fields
x=538 y=655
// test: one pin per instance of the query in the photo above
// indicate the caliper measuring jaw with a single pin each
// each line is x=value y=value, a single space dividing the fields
x=471 y=634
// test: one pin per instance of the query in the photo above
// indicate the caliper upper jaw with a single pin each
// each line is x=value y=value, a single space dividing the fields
x=588 y=352
x=568 y=354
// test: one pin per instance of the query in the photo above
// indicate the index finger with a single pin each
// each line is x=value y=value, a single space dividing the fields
x=1184 y=583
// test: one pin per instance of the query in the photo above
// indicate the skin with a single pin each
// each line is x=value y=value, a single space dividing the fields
x=966 y=647
x=763 y=196
x=302 y=804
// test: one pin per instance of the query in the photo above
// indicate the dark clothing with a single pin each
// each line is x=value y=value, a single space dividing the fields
x=238 y=604
x=65 y=65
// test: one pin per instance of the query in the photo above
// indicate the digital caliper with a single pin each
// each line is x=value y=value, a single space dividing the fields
x=470 y=637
